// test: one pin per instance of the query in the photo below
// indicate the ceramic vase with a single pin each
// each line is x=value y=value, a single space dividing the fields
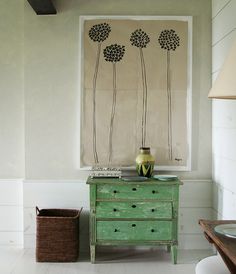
x=145 y=162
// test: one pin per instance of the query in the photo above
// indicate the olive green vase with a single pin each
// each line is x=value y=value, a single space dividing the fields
x=145 y=162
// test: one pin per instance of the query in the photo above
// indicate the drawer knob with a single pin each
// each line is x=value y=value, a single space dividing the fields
x=116 y=230
x=153 y=209
x=154 y=191
x=114 y=209
x=134 y=189
x=152 y=230
x=133 y=206
x=133 y=225
x=115 y=191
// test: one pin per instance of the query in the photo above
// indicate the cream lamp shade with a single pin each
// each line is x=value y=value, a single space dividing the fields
x=224 y=86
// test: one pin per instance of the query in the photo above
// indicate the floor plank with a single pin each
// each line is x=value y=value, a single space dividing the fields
x=109 y=260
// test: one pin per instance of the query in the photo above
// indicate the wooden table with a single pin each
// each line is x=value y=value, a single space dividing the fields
x=226 y=246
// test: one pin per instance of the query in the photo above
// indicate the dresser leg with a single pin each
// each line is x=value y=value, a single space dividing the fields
x=92 y=253
x=174 y=253
x=168 y=248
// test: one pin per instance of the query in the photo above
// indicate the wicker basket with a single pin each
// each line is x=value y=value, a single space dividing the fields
x=57 y=237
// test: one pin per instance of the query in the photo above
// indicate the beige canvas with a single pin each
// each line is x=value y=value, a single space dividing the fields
x=134 y=95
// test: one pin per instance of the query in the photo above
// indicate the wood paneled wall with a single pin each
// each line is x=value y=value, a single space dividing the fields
x=224 y=113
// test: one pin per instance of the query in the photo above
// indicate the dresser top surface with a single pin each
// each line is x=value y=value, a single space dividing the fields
x=120 y=181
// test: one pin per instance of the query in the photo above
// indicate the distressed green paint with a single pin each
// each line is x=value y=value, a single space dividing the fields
x=175 y=223
x=92 y=253
x=134 y=230
x=93 y=190
x=133 y=213
x=161 y=210
x=134 y=242
x=119 y=181
x=133 y=192
x=174 y=254
x=92 y=221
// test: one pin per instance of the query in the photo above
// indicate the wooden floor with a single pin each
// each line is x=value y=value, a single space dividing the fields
x=112 y=261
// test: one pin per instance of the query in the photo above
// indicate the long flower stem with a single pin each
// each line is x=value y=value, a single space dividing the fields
x=112 y=112
x=95 y=154
x=170 y=153
x=144 y=111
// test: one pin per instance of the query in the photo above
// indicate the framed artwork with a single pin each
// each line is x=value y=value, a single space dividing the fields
x=135 y=81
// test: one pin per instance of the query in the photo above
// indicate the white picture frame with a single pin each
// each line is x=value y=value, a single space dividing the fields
x=159 y=167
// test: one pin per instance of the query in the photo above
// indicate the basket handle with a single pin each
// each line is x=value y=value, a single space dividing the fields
x=79 y=211
x=37 y=210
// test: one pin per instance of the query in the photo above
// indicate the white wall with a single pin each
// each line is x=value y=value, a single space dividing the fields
x=224 y=114
x=11 y=122
x=51 y=83
x=11 y=89
x=49 y=124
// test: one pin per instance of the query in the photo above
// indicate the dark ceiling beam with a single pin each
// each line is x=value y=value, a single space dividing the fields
x=43 y=7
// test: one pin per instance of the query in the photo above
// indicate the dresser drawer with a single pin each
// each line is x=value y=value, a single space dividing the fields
x=134 y=230
x=161 y=210
x=135 y=192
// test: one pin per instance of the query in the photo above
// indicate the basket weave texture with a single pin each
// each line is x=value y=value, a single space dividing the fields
x=57 y=238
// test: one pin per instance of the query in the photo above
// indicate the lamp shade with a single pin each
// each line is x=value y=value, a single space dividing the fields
x=224 y=86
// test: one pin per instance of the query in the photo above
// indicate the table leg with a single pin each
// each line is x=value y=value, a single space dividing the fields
x=226 y=259
x=174 y=253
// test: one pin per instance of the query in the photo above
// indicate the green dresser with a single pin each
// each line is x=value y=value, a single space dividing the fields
x=133 y=213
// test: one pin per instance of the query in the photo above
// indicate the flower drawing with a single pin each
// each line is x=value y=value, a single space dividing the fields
x=169 y=41
x=140 y=39
x=98 y=33
x=113 y=53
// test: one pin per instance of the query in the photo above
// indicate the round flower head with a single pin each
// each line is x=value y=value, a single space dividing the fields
x=139 y=38
x=99 y=32
x=114 y=53
x=169 y=40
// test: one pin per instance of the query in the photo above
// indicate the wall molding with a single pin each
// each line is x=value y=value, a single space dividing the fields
x=195 y=204
x=11 y=211
x=17 y=180
x=53 y=181
x=20 y=196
